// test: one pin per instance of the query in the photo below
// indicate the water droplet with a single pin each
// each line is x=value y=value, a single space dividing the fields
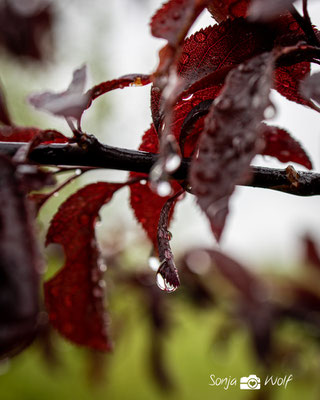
x=169 y=235
x=143 y=182
x=199 y=37
x=153 y=263
x=163 y=188
x=102 y=283
x=163 y=284
x=172 y=162
x=269 y=112
x=78 y=171
x=184 y=58
x=56 y=194
x=102 y=266
x=188 y=98
x=137 y=82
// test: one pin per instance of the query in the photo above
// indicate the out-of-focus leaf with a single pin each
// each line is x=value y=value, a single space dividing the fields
x=26 y=28
x=74 y=296
x=20 y=264
x=26 y=134
x=231 y=138
x=310 y=87
x=254 y=308
x=69 y=104
x=312 y=256
x=261 y=10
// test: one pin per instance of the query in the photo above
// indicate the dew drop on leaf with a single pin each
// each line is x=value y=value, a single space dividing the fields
x=199 y=37
x=78 y=171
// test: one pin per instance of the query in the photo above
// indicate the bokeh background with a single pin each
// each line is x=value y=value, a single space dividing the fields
x=264 y=229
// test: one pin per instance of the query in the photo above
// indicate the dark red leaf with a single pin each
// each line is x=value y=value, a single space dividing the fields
x=4 y=113
x=172 y=22
x=279 y=144
x=254 y=308
x=221 y=10
x=310 y=87
x=26 y=28
x=74 y=296
x=69 y=104
x=231 y=138
x=19 y=264
x=287 y=82
x=250 y=287
x=145 y=203
x=26 y=134
x=167 y=274
x=261 y=10
x=219 y=46
x=120 y=83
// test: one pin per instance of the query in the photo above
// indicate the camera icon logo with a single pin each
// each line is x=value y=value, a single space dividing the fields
x=251 y=382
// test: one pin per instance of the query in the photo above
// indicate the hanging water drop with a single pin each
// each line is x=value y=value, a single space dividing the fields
x=78 y=171
x=269 y=112
x=172 y=162
x=163 y=188
x=164 y=285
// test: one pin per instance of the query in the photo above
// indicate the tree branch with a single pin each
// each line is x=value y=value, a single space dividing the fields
x=102 y=156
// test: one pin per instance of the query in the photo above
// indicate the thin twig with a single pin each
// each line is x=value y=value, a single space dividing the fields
x=103 y=156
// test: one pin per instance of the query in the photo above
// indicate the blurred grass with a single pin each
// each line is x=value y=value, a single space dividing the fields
x=191 y=356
